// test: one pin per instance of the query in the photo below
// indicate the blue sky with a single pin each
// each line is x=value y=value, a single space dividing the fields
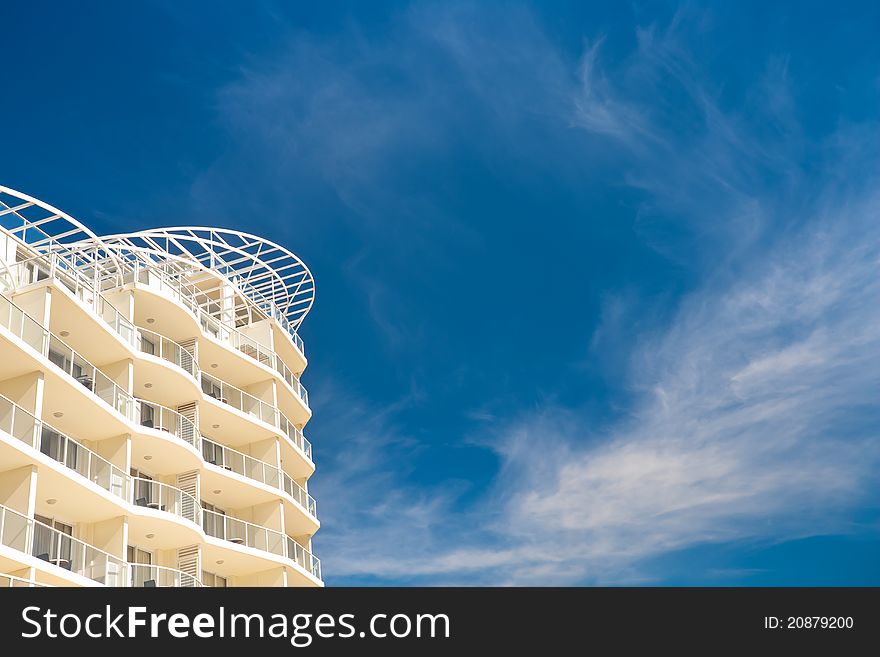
x=597 y=285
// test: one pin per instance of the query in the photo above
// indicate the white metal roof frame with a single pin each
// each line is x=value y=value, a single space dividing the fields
x=268 y=279
x=274 y=280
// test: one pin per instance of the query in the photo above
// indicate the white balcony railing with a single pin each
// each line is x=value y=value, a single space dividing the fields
x=270 y=310
x=252 y=468
x=42 y=267
x=240 y=463
x=247 y=403
x=239 y=399
x=241 y=532
x=29 y=330
x=83 y=461
x=261 y=538
x=20 y=423
x=23 y=425
x=32 y=537
x=186 y=293
x=14 y=582
x=161 y=418
x=148 y=575
x=153 y=494
x=157 y=345
x=295 y=434
x=303 y=557
x=34 y=334
x=250 y=347
x=299 y=494
x=292 y=380
x=90 y=292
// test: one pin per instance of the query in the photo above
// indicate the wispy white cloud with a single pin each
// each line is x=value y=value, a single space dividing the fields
x=371 y=517
x=755 y=423
x=598 y=109
x=755 y=395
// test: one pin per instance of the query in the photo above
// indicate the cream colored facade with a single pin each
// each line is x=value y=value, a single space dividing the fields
x=151 y=410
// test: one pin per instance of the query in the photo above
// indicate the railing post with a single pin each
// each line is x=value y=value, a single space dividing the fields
x=12 y=420
x=38 y=426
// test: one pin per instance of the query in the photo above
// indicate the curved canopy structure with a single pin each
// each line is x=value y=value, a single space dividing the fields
x=234 y=276
x=274 y=280
x=38 y=224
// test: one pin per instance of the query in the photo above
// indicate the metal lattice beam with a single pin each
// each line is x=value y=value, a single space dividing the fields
x=265 y=278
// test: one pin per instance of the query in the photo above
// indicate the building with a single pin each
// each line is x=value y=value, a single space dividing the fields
x=151 y=410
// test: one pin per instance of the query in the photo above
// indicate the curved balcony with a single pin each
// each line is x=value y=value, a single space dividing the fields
x=18 y=422
x=298 y=341
x=42 y=267
x=188 y=293
x=78 y=368
x=88 y=375
x=157 y=345
x=250 y=347
x=152 y=494
x=45 y=266
x=239 y=399
x=299 y=494
x=250 y=405
x=83 y=461
x=241 y=532
x=147 y=576
x=295 y=435
x=292 y=380
x=252 y=468
x=35 y=433
x=161 y=418
x=303 y=557
x=23 y=425
x=32 y=537
x=240 y=463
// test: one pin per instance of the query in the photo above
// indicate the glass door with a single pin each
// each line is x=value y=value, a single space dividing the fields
x=143 y=574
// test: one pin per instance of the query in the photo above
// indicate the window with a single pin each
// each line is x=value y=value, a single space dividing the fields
x=214 y=523
x=144 y=488
x=51 y=444
x=211 y=388
x=58 y=358
x=213 y=453
x=148 y=414
x=64 y=361
x=213 y=580
x=148 y=346
x=142 y=572
x=60 y=448
x=137 y=555
x=52 y=541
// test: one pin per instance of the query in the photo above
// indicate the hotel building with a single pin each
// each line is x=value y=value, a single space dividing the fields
x=151 y=410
